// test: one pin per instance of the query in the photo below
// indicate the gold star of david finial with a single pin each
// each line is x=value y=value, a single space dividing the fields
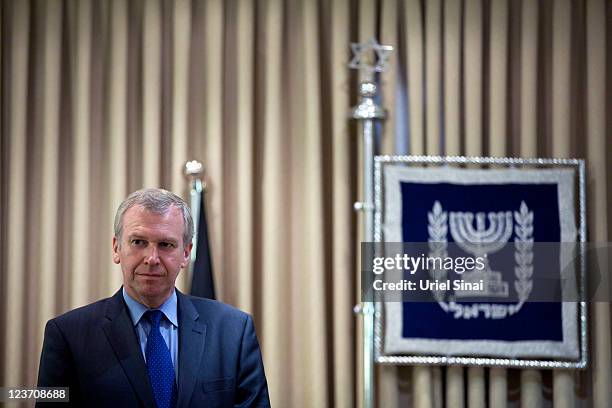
x=370 y=57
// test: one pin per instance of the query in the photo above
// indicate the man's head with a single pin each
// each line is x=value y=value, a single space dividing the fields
x=152 y=242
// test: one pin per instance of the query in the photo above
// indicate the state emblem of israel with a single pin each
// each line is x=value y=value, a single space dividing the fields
x=510 y=221
x=482 y=234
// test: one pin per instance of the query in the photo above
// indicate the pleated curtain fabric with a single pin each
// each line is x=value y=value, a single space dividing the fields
x=100 y=98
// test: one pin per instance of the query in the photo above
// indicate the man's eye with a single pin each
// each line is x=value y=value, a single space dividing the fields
x=138 y=242
x=166 y=245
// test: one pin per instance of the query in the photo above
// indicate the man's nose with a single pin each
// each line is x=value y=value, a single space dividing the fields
x=152 y=258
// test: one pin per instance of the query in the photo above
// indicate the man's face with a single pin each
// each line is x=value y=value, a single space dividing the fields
x=151 y=253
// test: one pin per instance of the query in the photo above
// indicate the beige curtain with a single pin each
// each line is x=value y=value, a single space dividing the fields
x=505 y=78
x=100 y=98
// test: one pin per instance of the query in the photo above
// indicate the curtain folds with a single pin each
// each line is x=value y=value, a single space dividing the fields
x=100 y=98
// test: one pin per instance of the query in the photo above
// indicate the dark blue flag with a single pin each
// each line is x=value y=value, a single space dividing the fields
x=203 y=284
x=427 y=319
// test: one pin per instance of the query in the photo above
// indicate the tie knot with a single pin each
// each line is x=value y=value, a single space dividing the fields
x=153 y=316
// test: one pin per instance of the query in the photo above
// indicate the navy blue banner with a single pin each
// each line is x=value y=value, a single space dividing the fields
x=534 y=321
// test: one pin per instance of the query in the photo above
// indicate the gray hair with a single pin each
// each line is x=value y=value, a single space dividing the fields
x=157 y=201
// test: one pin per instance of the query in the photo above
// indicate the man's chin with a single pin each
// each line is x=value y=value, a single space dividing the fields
x=153 y=295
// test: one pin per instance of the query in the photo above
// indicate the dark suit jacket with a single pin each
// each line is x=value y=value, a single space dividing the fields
x=94 y=350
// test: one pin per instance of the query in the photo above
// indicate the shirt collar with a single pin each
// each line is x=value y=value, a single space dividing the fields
x=137 y=309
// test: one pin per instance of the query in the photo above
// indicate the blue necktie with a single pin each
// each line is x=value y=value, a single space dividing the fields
x=159 y=363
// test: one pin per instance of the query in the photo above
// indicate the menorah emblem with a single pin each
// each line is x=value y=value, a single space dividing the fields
x=480 y=240
x=472 y=234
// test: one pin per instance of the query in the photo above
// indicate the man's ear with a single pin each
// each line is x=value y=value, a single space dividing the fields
x=116 y=250
x=187 y=255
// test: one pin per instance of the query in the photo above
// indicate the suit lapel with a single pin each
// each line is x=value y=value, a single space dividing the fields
x=119 y=330
x=192 y=334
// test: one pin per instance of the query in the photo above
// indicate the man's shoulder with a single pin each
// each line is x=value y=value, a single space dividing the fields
x=214 y=309
x=215 y=305
x=81 y=315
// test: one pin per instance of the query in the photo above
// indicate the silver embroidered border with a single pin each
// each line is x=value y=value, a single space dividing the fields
x=381 y=357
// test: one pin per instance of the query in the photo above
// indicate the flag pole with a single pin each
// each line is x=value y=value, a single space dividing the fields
x=369 y=57
x=201 y=266
x=194 y=171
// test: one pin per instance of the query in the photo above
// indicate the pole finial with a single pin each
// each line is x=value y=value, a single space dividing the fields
x=194 y=169
x=370 y=57
x=194 y=172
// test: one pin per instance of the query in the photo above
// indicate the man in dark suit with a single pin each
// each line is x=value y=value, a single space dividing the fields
x=150 y=345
